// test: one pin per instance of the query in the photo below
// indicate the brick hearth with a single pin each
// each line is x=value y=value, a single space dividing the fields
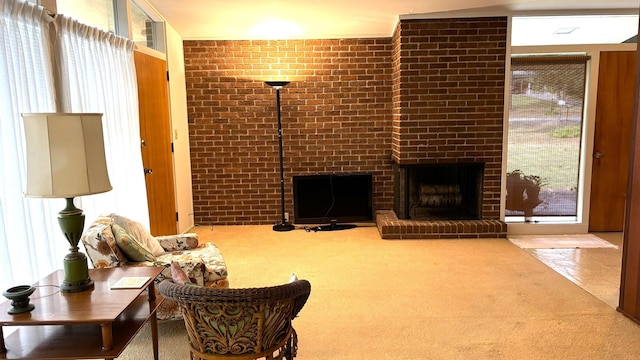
x=392 y=228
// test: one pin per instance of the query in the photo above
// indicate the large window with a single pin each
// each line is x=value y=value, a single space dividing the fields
x=545 y=126
x=94 y=69
x=122 y=17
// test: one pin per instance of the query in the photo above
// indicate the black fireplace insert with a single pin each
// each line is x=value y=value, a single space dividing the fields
x=438 y=191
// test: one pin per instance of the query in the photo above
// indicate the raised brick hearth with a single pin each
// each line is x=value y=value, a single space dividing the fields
x=392 y=228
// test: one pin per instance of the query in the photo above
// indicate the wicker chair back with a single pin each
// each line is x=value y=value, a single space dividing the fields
x=251 y=323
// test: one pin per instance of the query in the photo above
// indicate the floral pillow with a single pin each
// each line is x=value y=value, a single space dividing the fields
x=140 y=234
x=131 y=248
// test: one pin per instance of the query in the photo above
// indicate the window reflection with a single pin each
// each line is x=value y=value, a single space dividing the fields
x=142 y=26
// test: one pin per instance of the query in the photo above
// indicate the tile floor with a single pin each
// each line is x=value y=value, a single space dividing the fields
x=595 y=270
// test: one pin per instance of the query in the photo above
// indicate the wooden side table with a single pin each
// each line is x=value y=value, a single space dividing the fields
x=93 y=324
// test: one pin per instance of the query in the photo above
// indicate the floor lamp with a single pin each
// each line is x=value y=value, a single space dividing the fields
x=283 y=225
x=65 y=159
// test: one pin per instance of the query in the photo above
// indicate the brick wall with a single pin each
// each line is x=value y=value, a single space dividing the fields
x=336 y=116
x=449 y=105
x=423 y=95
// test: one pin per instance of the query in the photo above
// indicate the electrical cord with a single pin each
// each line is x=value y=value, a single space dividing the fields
x=333 y=202
x=333 y=225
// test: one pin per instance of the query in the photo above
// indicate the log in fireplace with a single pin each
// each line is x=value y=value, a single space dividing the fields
x=438 y=191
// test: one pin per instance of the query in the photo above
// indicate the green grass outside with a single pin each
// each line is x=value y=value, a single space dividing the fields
x=537 y=148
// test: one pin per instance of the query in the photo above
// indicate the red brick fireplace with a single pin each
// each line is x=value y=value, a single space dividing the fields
x=430 y=95
x=448 y=110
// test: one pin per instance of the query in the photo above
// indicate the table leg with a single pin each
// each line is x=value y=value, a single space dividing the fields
x=3 y=349
x=107 y=336
x=152 y=291
x=154 y=334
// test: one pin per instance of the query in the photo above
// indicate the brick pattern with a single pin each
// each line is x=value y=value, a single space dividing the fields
x=336 y=116
x=432 y=93
x=392 y=228
x=450 y=101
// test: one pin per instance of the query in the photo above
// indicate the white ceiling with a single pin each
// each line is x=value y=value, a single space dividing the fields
x=325 y=19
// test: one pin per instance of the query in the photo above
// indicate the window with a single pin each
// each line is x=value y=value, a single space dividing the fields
x=87 y=83
x=113 y=16
x=545 y=127
x=142 y=27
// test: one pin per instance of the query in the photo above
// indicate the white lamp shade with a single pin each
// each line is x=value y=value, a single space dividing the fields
x=65 y=155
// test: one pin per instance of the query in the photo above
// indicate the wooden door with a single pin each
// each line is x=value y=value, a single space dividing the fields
x=155 y=132
x=612 y=143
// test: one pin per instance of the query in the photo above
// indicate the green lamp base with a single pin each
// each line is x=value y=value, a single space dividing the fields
x=76 y=270
x=76 y=274
x=76 y=286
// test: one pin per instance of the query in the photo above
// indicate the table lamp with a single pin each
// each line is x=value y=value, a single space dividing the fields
x=65 y=159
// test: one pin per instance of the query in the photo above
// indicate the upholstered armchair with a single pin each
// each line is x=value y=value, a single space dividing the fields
x=113 y=240
x=252 y=323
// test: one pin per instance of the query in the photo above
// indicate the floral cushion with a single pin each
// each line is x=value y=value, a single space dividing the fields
x=100 y=245
x=202 y=263
x=178 y=242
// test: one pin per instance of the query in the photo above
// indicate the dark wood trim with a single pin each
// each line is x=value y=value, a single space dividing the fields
x=630 y=280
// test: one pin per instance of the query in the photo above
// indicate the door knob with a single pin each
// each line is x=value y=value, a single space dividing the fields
x=143 y=143
x=148 y=171
x=598 y=155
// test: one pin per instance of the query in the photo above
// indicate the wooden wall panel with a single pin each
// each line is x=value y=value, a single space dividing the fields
x=630 y=280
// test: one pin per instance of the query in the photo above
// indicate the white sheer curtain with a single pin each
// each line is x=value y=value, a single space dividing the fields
x=98 y=75
x=31 y=243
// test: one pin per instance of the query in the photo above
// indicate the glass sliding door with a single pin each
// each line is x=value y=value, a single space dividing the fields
x=544 y=138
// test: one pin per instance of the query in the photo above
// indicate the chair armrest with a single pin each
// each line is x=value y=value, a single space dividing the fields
x=178 y=242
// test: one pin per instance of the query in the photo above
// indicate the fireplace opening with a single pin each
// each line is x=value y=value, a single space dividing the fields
x=438 y=191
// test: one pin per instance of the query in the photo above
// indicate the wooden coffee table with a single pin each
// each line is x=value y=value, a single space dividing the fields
x=93 y=324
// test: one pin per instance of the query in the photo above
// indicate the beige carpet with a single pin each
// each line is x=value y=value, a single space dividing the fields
x=560 y=241
x=417 y=299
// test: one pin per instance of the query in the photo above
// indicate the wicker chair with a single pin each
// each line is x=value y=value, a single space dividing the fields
x=251 y=323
